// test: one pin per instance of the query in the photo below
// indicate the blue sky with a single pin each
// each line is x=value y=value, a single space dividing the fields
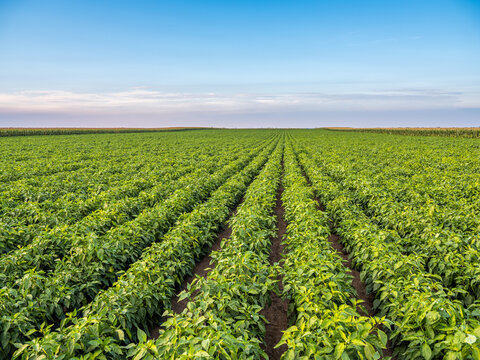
x=239 y=63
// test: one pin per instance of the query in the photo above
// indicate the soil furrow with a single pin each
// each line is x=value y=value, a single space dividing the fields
x=277 y=312
x=359 y=286
x=202 y=268
x=357 y=283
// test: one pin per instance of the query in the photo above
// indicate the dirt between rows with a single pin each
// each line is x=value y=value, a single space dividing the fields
x=357 y=283
x=359 y=286
x=276 y=313
x=202 y=268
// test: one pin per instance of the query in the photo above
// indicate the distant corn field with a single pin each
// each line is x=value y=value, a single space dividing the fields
x=454 y=132
x=69 y=131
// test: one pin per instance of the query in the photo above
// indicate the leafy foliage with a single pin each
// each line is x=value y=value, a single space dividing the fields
x=94 y=263
x=322 y=300
x=145 y=289
x=428 y=321
x=223 y=319
x=97 y=232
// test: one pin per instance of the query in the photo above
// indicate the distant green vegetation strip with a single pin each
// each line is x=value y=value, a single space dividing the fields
x=70 y=131
x=458 y=132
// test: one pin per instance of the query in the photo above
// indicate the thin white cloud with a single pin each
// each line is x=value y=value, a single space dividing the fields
x=144 y=100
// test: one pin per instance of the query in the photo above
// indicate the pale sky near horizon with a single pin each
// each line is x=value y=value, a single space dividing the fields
x=239 y=63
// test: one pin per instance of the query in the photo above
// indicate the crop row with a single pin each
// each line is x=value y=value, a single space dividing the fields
x=38 y=218
x=32 y=158
x=55 y=193
x=117 y=315
x=94 y=175
x=224 y=321
x=427 y=322
x=100 y=165
x=44 y=250
x=434 y=200
x=49 y=164
x=447 y=253
x=455 y=213
x=323 y=303
x=94 y=264
x=26 y=212
x=31 y=219
x=433 y=185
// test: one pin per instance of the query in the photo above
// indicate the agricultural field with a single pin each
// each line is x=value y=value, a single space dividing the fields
x=455 y=132
x=69 y=131
x=240 y=244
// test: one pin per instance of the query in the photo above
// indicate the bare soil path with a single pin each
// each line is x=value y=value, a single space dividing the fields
x=277 y=312
x=357 y=283
x=202 y=268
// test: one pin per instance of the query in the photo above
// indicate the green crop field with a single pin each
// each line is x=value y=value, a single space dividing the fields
x=240 y=244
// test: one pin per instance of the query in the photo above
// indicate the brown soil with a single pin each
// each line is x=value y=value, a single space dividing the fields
x=202 y=268
x=319 y=204
x=359 y=286
x=277 y=312
x=357 y=283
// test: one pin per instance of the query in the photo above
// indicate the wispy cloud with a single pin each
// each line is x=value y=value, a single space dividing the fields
x=142 y=100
